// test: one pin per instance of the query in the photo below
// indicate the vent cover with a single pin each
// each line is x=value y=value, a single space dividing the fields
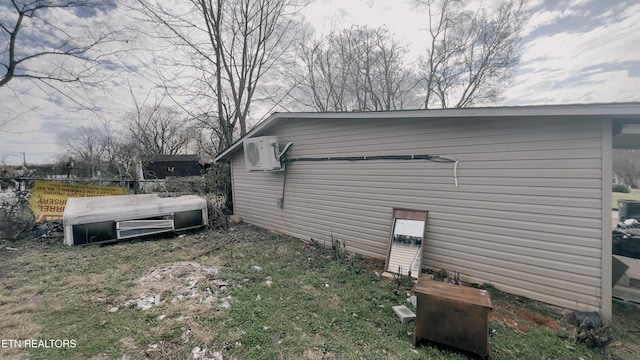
x=260 y=153
x=253 y=154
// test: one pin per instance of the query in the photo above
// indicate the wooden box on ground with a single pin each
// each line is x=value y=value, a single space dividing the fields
x=453 y=315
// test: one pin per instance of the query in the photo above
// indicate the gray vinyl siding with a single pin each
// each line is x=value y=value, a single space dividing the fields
x=526 y=217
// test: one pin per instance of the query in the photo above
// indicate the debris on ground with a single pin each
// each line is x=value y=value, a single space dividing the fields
x=598 y=337
x=48 y=229
x=589 y=319
x=521 y=319
x=626 y=239
x=413 y=300
x=591 y=330
x=180 y=282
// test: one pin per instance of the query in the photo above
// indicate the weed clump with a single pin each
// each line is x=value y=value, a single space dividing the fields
x=591 y=330
x=595 y=337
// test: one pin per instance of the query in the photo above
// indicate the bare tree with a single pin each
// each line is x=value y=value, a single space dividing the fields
x=472 y=54
x=231 y=44
x=118 y=150
x=35 y=46
x=160 y=130
x=104 y=149
x=111 y=151
x=357 y=69
x=626 y=165
x=386 y=83
x=207 y=136
x=86 y=146
x=325 y=81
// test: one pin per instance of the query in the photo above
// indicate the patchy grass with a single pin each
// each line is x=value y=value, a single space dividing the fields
x=250 y=295
x=633 y=195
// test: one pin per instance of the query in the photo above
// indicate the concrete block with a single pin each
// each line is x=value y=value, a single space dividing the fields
x=404 y=313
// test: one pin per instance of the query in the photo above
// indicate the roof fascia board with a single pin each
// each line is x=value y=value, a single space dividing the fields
x=609 y=109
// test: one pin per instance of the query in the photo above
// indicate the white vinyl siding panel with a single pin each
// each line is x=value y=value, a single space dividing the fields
x=527 y=215
x=402 y=256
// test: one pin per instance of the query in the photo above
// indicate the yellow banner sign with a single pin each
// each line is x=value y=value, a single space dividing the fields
x=48 y=198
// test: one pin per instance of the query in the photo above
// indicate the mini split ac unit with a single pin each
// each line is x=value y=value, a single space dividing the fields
x=262 y=153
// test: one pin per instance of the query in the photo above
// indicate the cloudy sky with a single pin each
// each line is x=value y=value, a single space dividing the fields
x=573 y=51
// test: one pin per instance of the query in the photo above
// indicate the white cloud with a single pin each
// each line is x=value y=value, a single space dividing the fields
x=540 y=19
x=579 y=3
x=598 y=87
x=558 y=12
x=533 y=4
x=564 y=58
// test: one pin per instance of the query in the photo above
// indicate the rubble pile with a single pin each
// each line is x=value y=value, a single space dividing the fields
x=180 y=282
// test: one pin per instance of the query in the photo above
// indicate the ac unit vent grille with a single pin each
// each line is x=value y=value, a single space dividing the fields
x=260 y=153
x=253 y=154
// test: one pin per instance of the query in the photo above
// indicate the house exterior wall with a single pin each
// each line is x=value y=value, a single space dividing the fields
x=527 y=215
x=164 y=169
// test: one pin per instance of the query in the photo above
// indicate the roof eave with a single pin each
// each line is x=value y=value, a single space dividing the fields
x=603 y=109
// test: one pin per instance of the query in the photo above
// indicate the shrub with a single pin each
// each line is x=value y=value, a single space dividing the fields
x=16 y=218
x=215 y=183
x=622 y=188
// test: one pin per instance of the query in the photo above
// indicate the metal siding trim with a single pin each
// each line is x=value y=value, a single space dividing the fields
x=607 y=180
x=232 y=166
